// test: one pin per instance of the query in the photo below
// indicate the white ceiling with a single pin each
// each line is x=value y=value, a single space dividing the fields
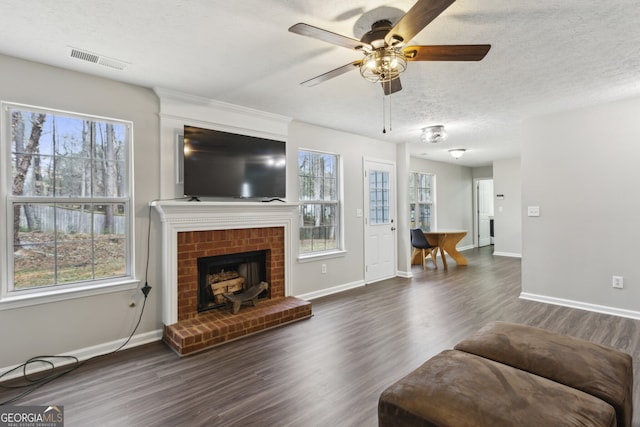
x=546 y=56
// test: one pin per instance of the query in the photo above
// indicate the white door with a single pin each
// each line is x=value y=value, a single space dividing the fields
x=485 y=210
x=380 y=225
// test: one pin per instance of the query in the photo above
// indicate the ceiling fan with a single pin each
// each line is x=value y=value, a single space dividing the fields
x=385 y=53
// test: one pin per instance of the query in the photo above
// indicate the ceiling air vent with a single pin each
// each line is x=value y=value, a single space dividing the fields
x=98 y=59
x=85 y=56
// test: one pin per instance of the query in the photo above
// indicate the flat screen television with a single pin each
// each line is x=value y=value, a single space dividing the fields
x=229 y=165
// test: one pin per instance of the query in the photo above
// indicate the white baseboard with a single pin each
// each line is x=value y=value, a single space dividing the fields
x=84 y=354
x=509 y=254
x=465 y=248
x=581 y=305
x=331 y=291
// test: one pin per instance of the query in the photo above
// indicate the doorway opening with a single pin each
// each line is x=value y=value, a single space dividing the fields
x=484 y=212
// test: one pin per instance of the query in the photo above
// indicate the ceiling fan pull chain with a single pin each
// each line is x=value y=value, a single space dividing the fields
x=390 y=125
x=384 y=117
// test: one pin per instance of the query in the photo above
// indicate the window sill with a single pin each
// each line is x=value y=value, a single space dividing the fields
x=8 y=302
x=321 y=255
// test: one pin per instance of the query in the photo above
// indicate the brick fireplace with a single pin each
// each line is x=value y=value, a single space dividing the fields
x=195 y=230
x=193 y=245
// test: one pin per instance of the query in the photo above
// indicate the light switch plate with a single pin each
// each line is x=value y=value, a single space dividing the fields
x=533 y=211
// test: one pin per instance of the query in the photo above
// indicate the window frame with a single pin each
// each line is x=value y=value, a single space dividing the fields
x=13 y=298
x=339 y=204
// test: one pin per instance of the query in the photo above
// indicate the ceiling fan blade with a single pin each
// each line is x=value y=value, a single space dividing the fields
x=421 y=14
x=392 y=86
x=459 y=52
x=331 y=74
x=327 y=36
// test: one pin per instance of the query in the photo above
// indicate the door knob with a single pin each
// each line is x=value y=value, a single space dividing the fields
x=393 y=229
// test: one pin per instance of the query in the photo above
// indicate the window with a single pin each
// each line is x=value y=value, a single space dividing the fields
x=318 y=177
x=421 y=201
x=68 y=199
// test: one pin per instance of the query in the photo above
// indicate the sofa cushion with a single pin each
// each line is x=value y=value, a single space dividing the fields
x=600 y=371
x=455 y=388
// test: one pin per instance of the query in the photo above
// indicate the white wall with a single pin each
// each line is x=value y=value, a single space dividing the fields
x=67 y=326
x=581 y=168
x=508 y=210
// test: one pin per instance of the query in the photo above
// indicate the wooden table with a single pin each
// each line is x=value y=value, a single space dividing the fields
x=447 y=241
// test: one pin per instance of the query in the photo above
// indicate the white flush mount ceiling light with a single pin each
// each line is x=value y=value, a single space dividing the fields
x=456 y=153
x=433 y=134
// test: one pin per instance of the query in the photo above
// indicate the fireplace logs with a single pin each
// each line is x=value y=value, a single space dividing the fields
x=226 y=287
x=223 y=283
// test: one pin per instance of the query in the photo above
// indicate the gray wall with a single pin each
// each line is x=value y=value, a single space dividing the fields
x=454 y=196
x=66 y=326
x=507 y=211
x=346 y=270
x=98 y=324
x=482 y=172
x=581 y=169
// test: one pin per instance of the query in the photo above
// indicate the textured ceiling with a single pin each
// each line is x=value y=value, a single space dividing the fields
x=546 y=56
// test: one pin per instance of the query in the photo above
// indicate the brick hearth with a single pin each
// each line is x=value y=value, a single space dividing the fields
x=197 y=331
x=219 y=326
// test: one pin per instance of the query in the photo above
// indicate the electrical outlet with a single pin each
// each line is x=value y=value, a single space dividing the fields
x=533 y=210
x=617 y=282
x=323 y=269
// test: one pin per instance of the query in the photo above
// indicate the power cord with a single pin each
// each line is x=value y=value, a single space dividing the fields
x=38 y=382
x=146 y=288
x=35 y=381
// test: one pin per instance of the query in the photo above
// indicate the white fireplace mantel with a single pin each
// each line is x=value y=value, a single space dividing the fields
x=181 y=216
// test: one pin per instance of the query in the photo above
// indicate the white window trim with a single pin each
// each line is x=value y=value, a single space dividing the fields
x=8 y=302
x=341 y=250
x=10 y=299
x=315 y=256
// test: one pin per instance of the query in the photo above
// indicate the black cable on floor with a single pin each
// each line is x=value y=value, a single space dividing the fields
x=35 y=381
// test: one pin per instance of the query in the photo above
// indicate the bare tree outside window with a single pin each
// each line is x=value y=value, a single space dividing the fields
x=319 y=201
x=69 y=196
x=23 y=160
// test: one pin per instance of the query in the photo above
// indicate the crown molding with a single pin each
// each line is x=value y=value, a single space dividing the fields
x=169 y=94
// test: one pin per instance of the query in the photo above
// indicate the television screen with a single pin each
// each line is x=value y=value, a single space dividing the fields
x=222 y=164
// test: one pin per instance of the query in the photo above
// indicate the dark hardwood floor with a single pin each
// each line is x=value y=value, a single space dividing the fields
x=325 y=371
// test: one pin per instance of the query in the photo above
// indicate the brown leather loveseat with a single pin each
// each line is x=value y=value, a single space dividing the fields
x=508 y=374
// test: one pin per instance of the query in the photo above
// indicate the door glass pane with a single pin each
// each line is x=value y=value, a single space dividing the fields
x=379 y=197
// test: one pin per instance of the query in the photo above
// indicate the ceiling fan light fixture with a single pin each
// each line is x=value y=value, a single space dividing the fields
x=383 y=65
x=384 y=47
x=456 y=153
x=433 y=134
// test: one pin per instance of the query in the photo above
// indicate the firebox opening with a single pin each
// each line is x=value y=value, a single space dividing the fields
x=231 y=273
